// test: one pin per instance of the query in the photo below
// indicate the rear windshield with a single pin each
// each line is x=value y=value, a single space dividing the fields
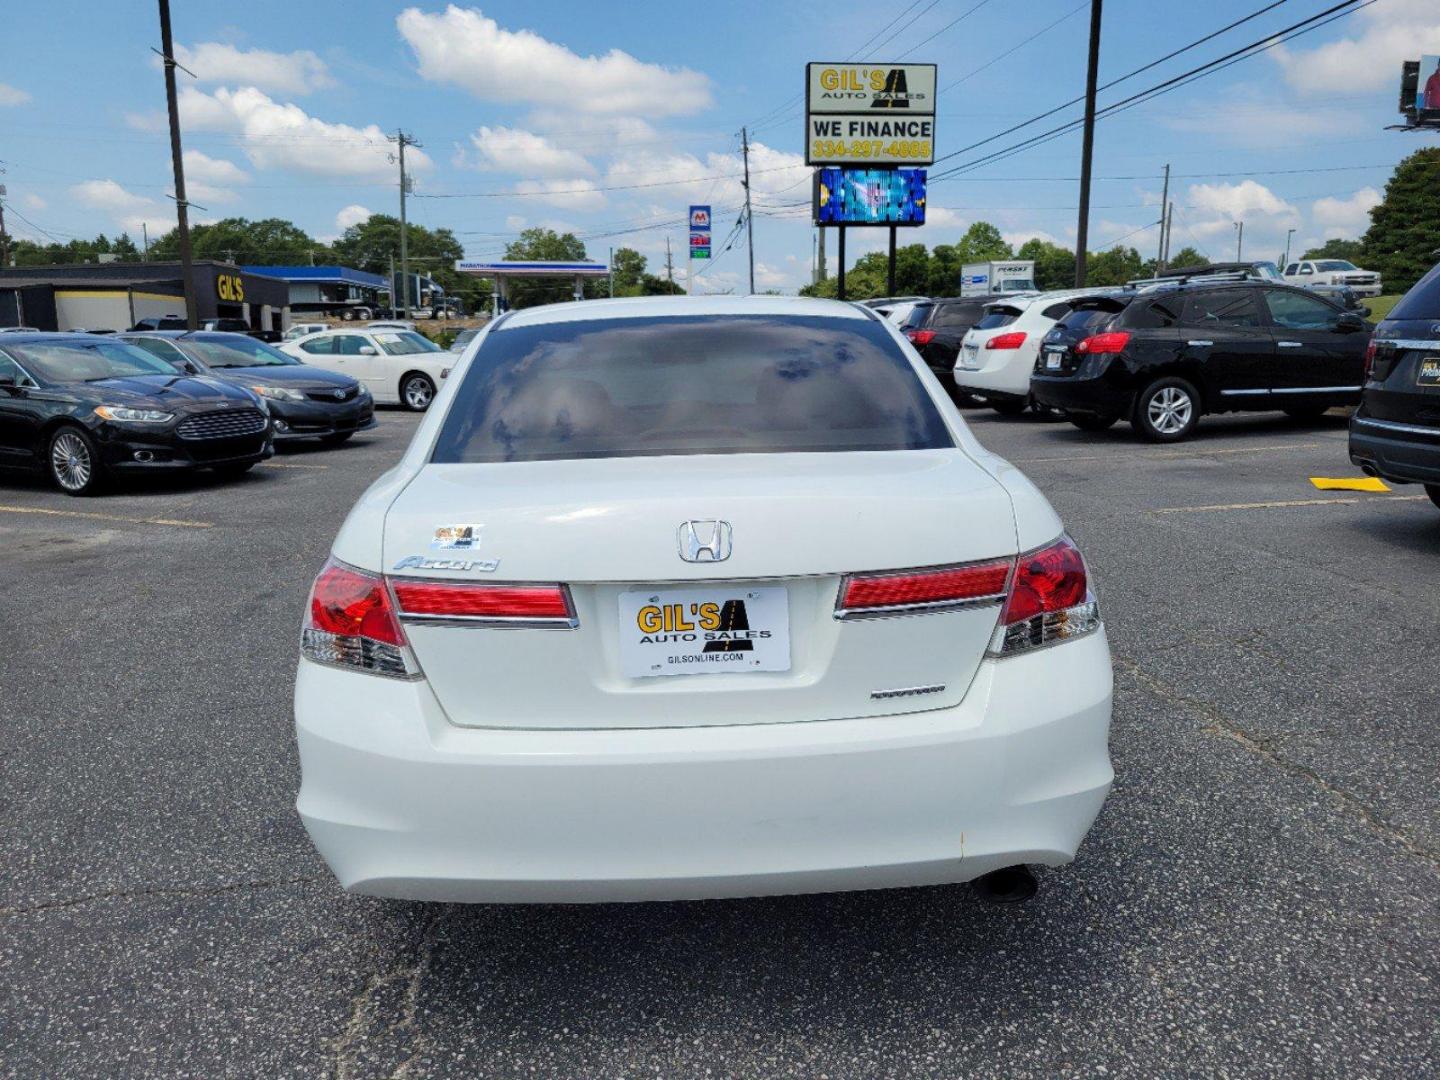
x=1422 y=301
x=917 y=316
x=997 y=317
x=688 y=385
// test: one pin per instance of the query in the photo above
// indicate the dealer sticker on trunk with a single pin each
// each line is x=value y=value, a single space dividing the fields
x=704 y=631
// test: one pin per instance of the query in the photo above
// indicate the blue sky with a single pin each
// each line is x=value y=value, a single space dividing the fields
x=609 y=119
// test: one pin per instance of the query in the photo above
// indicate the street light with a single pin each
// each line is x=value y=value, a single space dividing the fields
x=1288 y=234
x=1239 y=238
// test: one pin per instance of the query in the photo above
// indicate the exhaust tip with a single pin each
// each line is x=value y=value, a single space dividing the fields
x=1008 y=885
x=144 y=455
x=1368 y=469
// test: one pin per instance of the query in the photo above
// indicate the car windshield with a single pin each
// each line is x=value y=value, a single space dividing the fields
x=86 y=361
x=238 y=352
x=688 y=385
x=405 y=342
x=1335 y=264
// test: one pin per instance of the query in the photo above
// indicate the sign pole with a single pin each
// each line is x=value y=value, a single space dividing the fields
x=890 y=266
x=840 y=276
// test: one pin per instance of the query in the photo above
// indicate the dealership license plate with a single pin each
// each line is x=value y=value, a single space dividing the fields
x=704 y=631
x=1429 y=373
x=969 y=356
x=1053 y=358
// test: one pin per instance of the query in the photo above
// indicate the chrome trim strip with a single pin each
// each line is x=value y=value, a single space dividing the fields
x=926 y=608
x=494 y=622
x=1237 y=393
x=1409 y=343
x=1200 y=343
x=1390 y=425
x=1295 y=390
x=1290 y=344
x=907 y=691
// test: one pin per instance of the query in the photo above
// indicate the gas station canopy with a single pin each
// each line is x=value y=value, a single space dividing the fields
x=502 y=271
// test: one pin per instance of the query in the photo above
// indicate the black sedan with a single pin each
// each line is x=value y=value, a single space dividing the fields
x=85 y=408
x=305 y=402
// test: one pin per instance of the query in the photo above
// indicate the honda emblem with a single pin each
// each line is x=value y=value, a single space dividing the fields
x=705 y=541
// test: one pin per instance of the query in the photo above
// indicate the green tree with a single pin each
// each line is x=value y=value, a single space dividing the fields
x=1114 y=267
x=628 y=269
x=1405 y=227
x=1054 y=265
x=371 y=244
x=653 y=285
x=982 y=242
x=546 y=245
x=268 y=242
x=1351 y=250
x=943 y=275
x=28 y=253
x=1188 y=256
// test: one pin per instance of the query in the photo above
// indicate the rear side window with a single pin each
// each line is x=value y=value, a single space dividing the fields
x=687 y=385
x=1422 y=301
x=1057 y=311
x=1160 y=313
x=1087 y=320
x=1233 y=308
x=996 y=317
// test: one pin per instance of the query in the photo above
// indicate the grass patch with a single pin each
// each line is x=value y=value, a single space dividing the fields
x=1380 y=305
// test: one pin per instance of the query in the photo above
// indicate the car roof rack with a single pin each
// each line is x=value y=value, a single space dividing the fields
x=1198 y=277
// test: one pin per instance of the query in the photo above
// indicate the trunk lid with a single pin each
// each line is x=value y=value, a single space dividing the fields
x=607 y=528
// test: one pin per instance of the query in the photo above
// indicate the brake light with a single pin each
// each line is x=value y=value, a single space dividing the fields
x=1113 y=341
x=455 y=600
x=985 y=581
x=920 y=337
x=350 y=622
x=1006 y=341
x=1049 y=600
x=1369 y=360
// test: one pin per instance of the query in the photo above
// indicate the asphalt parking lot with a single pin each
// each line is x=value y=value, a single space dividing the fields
x=1258 y=897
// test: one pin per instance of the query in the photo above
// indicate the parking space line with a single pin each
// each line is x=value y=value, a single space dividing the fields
x=1279 y=503
x=174 y=522
x=290 y=465
x=1173 y=453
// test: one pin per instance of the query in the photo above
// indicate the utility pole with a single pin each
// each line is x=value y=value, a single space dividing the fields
x=1082 y=229
x=145 y=242
x=1169 y=228
x=820 y=261
x=1164 y=203
x=669 y=266
x=749 y=217
x=4 y=236
x=403 y=140
x=1239 y=238
x=1286 y=261
x=182 y=206
x=392 y=287
x=612 y=273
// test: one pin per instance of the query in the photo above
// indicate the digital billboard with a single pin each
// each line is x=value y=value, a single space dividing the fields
x=869 y=196
x=1427 y=89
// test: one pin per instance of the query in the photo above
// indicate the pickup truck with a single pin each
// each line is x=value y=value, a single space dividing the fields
x=1312 y=272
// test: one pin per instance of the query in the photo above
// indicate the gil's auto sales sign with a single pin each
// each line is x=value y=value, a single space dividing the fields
x=869 y=114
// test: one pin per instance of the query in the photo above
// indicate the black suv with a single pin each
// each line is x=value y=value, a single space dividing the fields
x=935 y=329
x=1162 y=356
x=1395 y=434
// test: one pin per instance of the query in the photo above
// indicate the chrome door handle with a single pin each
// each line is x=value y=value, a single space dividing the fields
x=1291 y=344
x=1199 y=343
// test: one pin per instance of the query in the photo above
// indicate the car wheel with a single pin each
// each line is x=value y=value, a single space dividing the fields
x=73 y=462
x=1167 y=410
x=1433 y=490
x=1091 y=421
x=417 y=392
x=1009 y=407
x=1306 y=412
x=336 y=438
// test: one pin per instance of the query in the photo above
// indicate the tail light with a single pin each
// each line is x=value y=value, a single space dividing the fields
x=350 y=622
x=1049 y=600
x=920 y=337
x=862 y=594
x=1112 y=342
x=532 y=605
x=1369 y=360
x=1006 y=341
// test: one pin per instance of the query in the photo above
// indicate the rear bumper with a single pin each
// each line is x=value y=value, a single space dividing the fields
x=401 y=803
x=998 y=380
x=1078 y=395
x=1402 y=453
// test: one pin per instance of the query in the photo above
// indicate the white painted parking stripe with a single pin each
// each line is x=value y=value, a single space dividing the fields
x=1282 y=503
x=91 y=515
x=290 y=465
x=1151 y=455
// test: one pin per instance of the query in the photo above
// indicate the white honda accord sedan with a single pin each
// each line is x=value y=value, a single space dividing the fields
x=680 y=598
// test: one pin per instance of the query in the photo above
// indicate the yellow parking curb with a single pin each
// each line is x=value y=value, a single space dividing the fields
x=1349 y=483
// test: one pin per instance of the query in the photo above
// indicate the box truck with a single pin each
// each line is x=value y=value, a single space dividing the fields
x=1000 y=276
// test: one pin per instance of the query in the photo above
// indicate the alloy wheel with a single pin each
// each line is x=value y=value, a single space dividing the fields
x=418 y=393
x=1169 y=410
x=70 y=461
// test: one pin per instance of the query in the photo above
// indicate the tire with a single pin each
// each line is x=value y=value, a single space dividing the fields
x=347 y=316
x=1009 y=407
x=1309 y=413
x=1091 y=421
x=1433 y=490
x=233 y=471
x=417 y=391
x=336 y=438
x=73 y=462
x=1167 y=410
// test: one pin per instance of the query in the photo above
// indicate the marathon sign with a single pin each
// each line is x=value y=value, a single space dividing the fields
x=699 y=232
x=863 y=115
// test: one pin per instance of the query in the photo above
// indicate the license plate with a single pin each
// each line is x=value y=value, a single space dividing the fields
x=969 y=355
x=1429 y=373
x=1053 y=358
x=704 y=631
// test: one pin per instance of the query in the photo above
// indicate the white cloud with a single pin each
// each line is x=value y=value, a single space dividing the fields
x=285 y=136
x=514 y=222
x=1368 y=59
x=770 y=277
x=1345 y=217
x=34 y=202
x=354 y=214
x=1263 y=124
x=1238 y=200
x=208 y=170
x=574 y=194
x=129 y=210
x=777 y=177
x=286 y=73
x=463 y=47
x=12 y=95
x=503 y=149
x=1017 y=238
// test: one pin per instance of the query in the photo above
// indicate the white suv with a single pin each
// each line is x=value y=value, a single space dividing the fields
x=1333 y=272
x=996 y=357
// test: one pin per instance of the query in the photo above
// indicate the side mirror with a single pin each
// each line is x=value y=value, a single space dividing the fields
x=1349 y=323
x=1363 y=311
x=369 y=350
x=9 y=382
x=188 y=367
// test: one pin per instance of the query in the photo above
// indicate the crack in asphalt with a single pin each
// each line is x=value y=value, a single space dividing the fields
x=1226 y=728
x=178 y=890
x=365 y=1008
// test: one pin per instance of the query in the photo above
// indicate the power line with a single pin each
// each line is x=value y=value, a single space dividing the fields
x=944 y=29
x=507 y=194
x=1020 y=45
